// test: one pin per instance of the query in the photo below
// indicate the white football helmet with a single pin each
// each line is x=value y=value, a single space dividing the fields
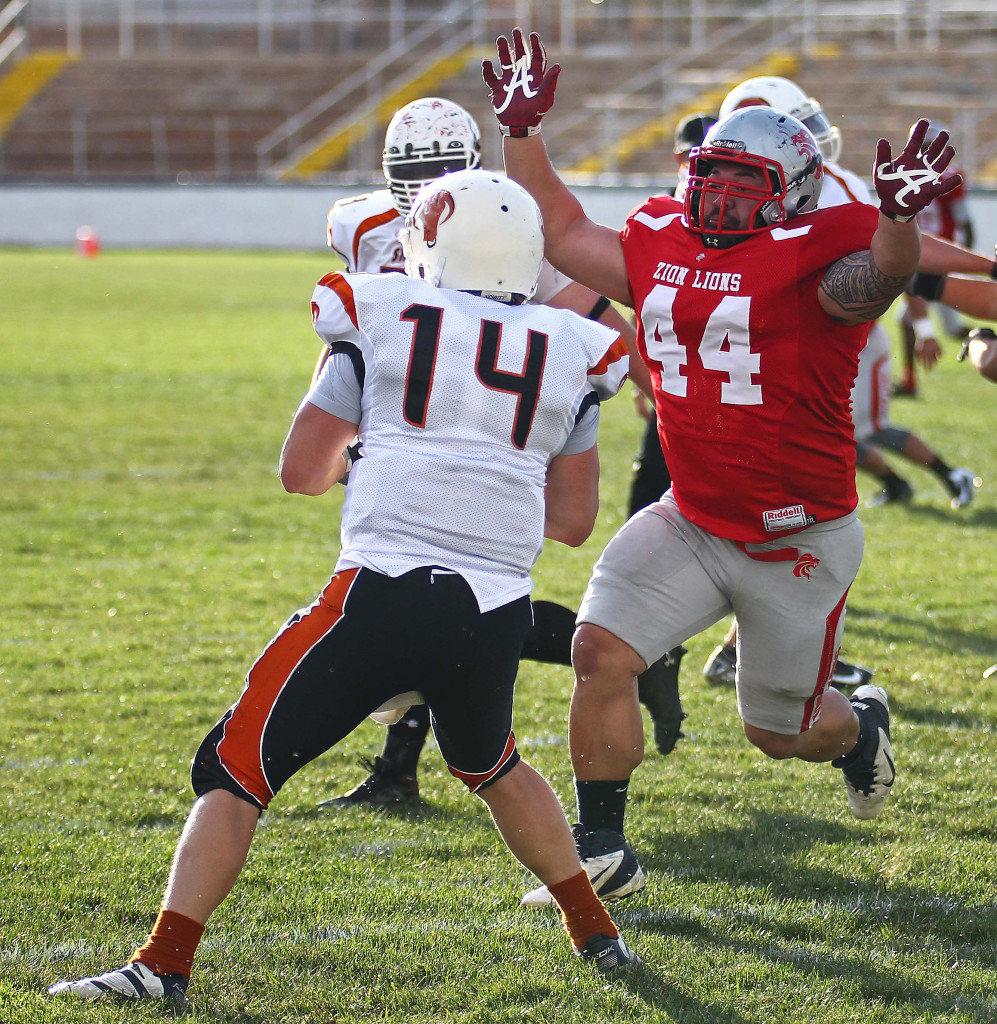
x=476 y=231
x=765 y=139
x=781 y=93
x=426 y=138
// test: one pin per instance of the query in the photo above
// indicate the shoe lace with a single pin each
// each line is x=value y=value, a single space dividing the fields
x=862 y=776
x=370 y=767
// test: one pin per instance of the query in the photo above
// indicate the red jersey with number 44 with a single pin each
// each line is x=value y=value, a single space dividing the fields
x=751 y=377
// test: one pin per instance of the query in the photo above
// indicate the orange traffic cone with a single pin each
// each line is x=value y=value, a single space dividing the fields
x=87 y=242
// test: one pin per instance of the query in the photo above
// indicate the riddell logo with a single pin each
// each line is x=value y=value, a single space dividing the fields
x=805 y=565
x=788 y=518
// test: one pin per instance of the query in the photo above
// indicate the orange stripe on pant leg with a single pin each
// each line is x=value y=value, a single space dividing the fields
x=475 y=780
x=240 y=748
x=828 y=659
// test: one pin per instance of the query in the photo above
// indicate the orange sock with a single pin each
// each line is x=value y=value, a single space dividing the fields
x=171 y=945
x=582 y=911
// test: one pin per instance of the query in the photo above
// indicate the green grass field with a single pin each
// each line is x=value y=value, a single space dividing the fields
x=149 y=553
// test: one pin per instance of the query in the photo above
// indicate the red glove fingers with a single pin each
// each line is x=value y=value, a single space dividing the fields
x=907 y=185
x=522 y=88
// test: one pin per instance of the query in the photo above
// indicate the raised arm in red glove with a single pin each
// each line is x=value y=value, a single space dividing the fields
x=907 y=185
x=522 y=90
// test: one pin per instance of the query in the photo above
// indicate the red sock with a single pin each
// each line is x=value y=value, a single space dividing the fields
x=171 y=945
x=582 y=911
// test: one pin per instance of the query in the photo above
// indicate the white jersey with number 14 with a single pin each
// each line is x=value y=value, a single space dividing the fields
x=464 y=402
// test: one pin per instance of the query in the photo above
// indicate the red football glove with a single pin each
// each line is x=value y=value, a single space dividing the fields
x=907 y=185
x=523 y=91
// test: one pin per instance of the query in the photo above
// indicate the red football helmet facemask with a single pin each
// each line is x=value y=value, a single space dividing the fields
x=775 y=144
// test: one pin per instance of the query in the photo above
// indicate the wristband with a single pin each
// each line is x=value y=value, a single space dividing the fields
x=896 y=218
x=600 y=307
x=521 y=131
x=923 y=328
x=352 y=454
x=928 y=286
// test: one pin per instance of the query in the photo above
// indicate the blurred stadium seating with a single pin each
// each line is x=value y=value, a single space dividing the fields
x=243 y=90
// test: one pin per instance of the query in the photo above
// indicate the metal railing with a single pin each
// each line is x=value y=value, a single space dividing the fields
x=12 y=35
x=738 y=32
x=458 y=25
x=662 y=86
x=303 y=25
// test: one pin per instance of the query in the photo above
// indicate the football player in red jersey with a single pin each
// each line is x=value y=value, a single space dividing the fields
x=873 y=387
x=752 y=308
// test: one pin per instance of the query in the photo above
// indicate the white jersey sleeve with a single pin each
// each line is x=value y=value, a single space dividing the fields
x=586 y=430
x=464 y=403
x=549 y=283
x=607 y=377
x=338 y=389
x=364 y=231
x=841 y=187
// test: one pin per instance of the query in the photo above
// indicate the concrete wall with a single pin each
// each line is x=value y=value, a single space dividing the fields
x=252 y=216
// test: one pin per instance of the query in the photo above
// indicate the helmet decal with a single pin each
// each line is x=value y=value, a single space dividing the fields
x=805 y=144
x=435 y=210
x=475 y=231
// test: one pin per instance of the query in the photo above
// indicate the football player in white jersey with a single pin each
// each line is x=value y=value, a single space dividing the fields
x=479 y=417
x=426 y=138
x=871 y=394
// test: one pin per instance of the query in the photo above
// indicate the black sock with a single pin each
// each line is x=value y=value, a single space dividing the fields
x=942 y=471
x=405 y=740
x=601 y=804
x=860 y=744
x=893 y=483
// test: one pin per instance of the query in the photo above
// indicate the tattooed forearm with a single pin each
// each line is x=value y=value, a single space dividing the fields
x=860 y=288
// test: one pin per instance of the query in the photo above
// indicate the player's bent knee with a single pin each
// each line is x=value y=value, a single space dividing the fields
x=595 y=651
x=772 y=744
x=477 y=781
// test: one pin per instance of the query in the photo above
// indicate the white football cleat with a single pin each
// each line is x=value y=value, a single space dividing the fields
x=133 y=981
x=609 y=862
x=869 y=777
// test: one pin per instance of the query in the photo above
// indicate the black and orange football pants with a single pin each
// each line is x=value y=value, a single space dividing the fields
x=365 y=639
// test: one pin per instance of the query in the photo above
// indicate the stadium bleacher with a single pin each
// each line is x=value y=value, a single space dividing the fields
x=197 y=95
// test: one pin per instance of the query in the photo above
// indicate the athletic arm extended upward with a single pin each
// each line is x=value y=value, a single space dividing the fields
x=589 y=253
